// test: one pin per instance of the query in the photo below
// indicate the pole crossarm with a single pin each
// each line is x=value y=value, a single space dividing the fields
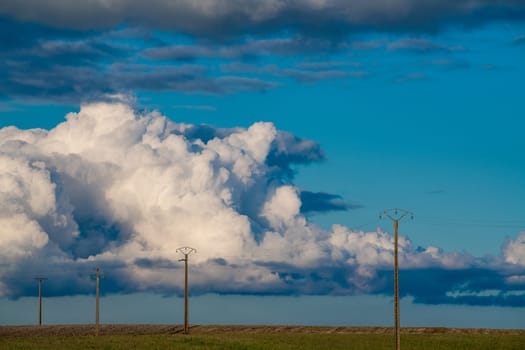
x=186 y=251
x=396 y=214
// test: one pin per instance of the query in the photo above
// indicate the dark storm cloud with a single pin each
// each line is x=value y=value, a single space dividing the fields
x=32 y=81
x=476 y=286
x=48 y=64
x=472 y=286
x=434 y=286
x=291 y=149
x=319 y=202
x=18 y=35
x=42 y=63
x=220 y=18
x=49 y=55
x=46 y=80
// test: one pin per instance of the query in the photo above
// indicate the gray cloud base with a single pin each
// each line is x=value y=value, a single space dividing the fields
x=222 y=18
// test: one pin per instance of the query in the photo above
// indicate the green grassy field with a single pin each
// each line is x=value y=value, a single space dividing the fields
x=238 y=341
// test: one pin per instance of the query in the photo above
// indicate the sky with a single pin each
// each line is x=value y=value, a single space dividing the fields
x=269 y=136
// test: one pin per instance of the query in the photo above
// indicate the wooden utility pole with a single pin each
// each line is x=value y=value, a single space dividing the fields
x=186 y=251
x=97 y=293
x=40 y=280
x=396 y=215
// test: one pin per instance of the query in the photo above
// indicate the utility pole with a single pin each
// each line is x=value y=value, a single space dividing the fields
x=186 y=251
x=396 y=215
x=40 y=280
x=97 y=293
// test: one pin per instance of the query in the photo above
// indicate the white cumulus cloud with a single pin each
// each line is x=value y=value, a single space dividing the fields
x=123 y=190
x=514 y=250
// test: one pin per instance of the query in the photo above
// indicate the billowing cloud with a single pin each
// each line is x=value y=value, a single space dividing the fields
x=514 y=250
x=226 y=17
x=122 y=190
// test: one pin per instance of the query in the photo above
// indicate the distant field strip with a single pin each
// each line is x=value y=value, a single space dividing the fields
x=254 y=337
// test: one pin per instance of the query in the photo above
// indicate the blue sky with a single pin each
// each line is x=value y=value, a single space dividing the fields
x=418 y=106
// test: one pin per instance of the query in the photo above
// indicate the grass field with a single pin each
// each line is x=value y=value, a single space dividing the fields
x=223 y=337
x=239 y=341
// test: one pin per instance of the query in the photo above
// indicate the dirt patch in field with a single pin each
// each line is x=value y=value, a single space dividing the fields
x=137 y=329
